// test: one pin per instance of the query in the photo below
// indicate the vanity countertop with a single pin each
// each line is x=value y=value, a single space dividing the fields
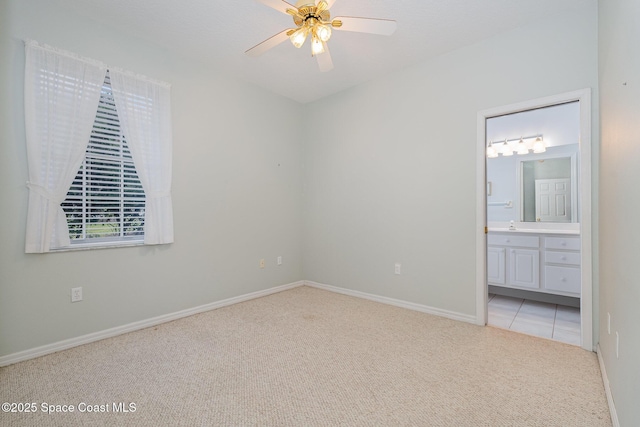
x=534 y=231
x=536 y=228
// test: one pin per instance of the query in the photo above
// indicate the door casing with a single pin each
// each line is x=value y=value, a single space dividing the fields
x=586 y=296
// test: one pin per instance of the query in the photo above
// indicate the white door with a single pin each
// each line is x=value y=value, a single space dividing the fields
x=553 y=200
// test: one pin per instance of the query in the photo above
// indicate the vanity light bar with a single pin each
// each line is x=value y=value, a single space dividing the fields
x=506 y=141
x=539 y=147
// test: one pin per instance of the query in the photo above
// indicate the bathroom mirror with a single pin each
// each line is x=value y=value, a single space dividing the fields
x=511 y=178
x=548 y=189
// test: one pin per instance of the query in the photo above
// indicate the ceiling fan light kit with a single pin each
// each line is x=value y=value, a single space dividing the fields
x=314 y=20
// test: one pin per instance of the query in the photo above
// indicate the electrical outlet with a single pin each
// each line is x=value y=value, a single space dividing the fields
x=398 y=268
x=76 y=294
x=617 y=345
x=262 y=263
x=609 y=323
x=279 y=260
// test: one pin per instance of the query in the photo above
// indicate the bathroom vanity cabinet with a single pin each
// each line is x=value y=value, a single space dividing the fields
x=548 y=263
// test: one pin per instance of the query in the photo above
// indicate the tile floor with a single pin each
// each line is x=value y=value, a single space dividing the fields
x=556 y=322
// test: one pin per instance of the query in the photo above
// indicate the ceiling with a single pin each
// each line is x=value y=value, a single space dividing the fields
x=218 y=33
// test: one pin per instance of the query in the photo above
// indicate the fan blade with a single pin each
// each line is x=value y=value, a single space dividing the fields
x=279 y=5
x=324 y=60
x=264 y=46
x=322 y=6
x=384 y=27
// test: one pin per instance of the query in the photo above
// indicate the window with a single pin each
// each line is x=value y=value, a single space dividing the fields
x=99 y=151
x=106 y=201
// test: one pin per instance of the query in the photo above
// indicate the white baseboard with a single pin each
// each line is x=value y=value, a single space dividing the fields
x=607 y=389
x=396 y=302
x=108 y=333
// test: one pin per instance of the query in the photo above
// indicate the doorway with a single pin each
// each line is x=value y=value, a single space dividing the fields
x=534 y=260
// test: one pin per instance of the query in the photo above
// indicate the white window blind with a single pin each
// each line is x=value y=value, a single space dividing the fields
x=106 y=202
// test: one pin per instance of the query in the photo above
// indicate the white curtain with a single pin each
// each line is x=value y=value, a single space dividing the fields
x=144 y=110
x=61 y=93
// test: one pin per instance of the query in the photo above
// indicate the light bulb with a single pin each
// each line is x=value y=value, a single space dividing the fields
x=522 y=147
x=507 y=150
x=538 y=146
x=298 y=37
x=324 y=32
x=491 y=151
x=316 y=46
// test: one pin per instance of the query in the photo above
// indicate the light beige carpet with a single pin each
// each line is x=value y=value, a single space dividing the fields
x=308 y=357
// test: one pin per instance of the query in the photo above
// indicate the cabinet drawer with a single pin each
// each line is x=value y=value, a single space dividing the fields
x=568 y=243
x=519 y=241
x=564 y=279
x=567 y=258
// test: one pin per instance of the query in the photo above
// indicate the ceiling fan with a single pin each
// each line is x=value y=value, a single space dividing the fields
x=313 y=21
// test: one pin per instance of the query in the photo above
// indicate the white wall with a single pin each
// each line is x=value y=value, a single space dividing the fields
x=392 y=178
x=620 y=202
x=237 y=192
x=559 y=124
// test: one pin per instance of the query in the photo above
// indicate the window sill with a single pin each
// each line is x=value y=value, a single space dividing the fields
x=99 y=245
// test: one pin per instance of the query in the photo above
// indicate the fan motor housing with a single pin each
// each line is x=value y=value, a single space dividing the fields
x=310 y=12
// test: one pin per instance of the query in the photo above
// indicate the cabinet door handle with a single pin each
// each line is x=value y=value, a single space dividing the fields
x=563 y=243
x=507 y=240
x=564 y=258
x=563 y=280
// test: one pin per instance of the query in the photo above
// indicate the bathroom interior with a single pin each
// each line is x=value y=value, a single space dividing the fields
x=533 y=219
